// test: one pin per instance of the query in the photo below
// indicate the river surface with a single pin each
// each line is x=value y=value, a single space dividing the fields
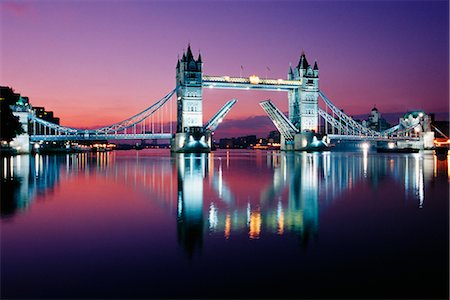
x=229 y=224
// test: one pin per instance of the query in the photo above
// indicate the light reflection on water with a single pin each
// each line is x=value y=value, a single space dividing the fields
x=290 y=201
x=229 y=208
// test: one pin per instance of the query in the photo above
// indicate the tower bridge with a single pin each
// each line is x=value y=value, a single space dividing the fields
x=310 y=124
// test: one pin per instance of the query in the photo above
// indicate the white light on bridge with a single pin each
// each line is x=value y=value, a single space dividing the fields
x=391 y=145
x=254 y=79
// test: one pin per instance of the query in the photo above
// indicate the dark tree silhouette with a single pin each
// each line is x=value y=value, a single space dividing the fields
x=10 y=125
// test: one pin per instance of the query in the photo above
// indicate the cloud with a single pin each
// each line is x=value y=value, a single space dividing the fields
x=15 y=8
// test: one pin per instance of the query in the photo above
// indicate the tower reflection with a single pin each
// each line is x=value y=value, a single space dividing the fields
x=229 y=194
x=190 y=220
x=299 y=174
x=303 y=210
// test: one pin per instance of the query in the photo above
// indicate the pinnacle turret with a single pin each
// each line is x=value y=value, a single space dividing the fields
x=188 y=62
x=315 y=65
x=189 y=55
x=303 y=63
x=290 y=72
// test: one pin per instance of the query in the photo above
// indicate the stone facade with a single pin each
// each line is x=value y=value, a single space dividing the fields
x=303 y=102
x=189 y=93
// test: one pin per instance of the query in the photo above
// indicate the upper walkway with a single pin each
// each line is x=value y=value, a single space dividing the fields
x=252 y=82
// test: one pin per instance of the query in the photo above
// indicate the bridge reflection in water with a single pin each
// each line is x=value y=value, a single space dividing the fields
x=253 y=194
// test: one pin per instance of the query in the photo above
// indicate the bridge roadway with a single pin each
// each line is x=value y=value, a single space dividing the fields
x=98 y=137
x=252 y=82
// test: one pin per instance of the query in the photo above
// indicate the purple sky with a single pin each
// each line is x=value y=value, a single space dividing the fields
x=98 y=62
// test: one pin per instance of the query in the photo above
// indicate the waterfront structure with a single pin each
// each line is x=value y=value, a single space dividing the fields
x=20 y=108
x=299 y=131
x=44 y=114
x=190 y=135
x=375 y=121
x=303 y=101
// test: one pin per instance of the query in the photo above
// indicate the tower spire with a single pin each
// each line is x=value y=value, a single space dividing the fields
x=303 y=63
x=189 y=55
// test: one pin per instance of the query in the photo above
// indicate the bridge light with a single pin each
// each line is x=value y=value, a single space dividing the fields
x=280 y=80
x=365 y=146
x=254 y=79
x=304 y=143
x=227 y=78
x=391 y=145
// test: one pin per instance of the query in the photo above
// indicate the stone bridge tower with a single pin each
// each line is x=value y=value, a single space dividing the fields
x=189 y=94
x=190 y=136
x=303 y=102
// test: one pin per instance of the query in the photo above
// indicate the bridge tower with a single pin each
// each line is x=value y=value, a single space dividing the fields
x=190 y=136
x=303 y=102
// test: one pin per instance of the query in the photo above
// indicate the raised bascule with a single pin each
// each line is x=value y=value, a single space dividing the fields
x=307 y=126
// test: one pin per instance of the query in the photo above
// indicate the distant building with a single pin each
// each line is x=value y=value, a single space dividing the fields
x=274 y=137
x=14 y=100
x=48 y=116
x=243 y=142
x=375 y=121
x=43 y=114
x=19 y=103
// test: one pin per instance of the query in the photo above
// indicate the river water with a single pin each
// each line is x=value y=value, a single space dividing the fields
x=229 y=224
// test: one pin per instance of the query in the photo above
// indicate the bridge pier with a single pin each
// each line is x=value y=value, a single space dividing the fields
x=304 y=141
x=286 y=145
x=191 y=142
